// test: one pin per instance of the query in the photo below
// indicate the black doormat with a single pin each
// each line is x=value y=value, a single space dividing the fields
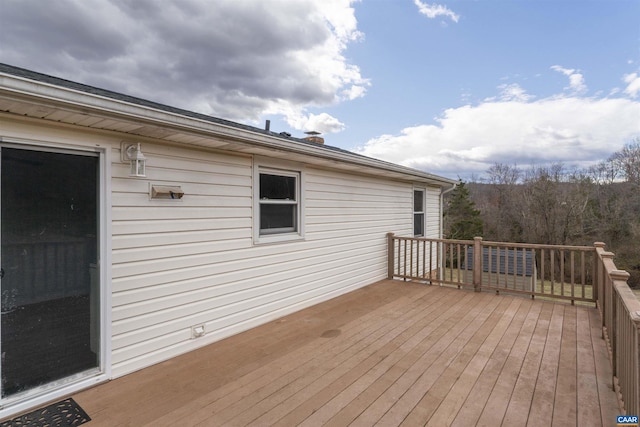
x=60 y=414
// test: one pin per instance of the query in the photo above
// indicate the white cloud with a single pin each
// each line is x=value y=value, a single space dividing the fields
x=235 y=59
x=435 y=10
x=578 y=131
x=633 y=84
x=354 y=92
x=323 y=123
x=576 y=80
x=511 y=92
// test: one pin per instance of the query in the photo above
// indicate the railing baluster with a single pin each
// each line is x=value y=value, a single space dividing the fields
x=412 y=263
x=458 y=262
x=431 y=261
x=405 y=258
x=506 y=268
x=450 y=252
x=399 y=257
x=561 y=275
x=515 y=266
x=523 y=266
x=516 y=254
x=573 y=277
x=534 y=272
x=439 y=262
x=552 y=260
x=491 y=266
x=542 y=271
x=424 y=259
x=583 y=278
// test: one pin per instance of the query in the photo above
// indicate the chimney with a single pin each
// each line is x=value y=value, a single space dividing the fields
x=314 y=137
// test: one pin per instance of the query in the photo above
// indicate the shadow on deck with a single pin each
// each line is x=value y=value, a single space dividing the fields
x=393 y=353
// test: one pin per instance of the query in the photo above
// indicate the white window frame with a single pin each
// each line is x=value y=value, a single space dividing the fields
x=280 y=169
x=423 y=212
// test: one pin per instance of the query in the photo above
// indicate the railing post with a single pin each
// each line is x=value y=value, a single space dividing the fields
x=477 y=264
x=390 y=254
x=599 y=279
x=609 y=311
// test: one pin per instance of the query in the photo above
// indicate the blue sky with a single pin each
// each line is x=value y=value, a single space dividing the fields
x=419 y=66
x=450 y=87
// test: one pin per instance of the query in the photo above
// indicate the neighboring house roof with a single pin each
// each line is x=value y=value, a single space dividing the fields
x=33 y=94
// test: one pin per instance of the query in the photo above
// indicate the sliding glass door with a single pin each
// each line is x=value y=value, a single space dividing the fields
x=49 y=279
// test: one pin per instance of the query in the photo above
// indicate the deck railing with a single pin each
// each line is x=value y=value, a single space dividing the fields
x=582 y=274
x=547 y=271
x=620 y=313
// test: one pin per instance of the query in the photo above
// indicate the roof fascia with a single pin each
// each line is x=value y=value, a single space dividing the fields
x=71 y=99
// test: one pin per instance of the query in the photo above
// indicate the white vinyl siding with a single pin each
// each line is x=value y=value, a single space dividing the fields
x=193 y=261
x=230 y=285
x=432 y=212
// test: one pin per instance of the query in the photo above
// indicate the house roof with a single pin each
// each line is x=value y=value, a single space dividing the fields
x=33 y=94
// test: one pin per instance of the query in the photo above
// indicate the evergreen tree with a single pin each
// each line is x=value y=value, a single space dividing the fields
x=461 y=218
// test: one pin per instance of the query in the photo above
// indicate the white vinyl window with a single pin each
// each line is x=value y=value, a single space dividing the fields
x=418 y=213
x=278 y=205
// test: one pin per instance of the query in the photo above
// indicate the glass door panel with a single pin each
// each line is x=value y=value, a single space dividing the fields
x=49 y=321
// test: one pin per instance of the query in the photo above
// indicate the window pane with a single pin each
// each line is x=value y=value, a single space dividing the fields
x=418 y=224
x=277 y=187
x=418 y=201
x=277 y=218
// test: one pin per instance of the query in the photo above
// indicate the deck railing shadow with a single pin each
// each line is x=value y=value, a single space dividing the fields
x=576 y=274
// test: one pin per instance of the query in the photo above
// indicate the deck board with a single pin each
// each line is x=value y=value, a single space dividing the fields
x=453 y=379
x=401 y=398
x=499 y=376
x=587 y=384
x=393 y=353
x=329 y=401
x=541 y=412
x=604 y=373
x=469 y=411
x=356 y=404
x=492 y=349
x=519 y=406
x=564 y=411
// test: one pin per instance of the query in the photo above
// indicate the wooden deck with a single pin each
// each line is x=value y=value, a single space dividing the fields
x=393 y=353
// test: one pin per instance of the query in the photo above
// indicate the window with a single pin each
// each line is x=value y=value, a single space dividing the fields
x=278 y=205
x=418 y=213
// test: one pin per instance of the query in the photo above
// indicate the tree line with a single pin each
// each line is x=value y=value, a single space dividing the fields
x=554 y=205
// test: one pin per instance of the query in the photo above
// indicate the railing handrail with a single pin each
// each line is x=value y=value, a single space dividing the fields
x=502 y=244
x=538 y=246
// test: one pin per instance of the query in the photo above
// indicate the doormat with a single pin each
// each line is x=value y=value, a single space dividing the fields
x=60 y=414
